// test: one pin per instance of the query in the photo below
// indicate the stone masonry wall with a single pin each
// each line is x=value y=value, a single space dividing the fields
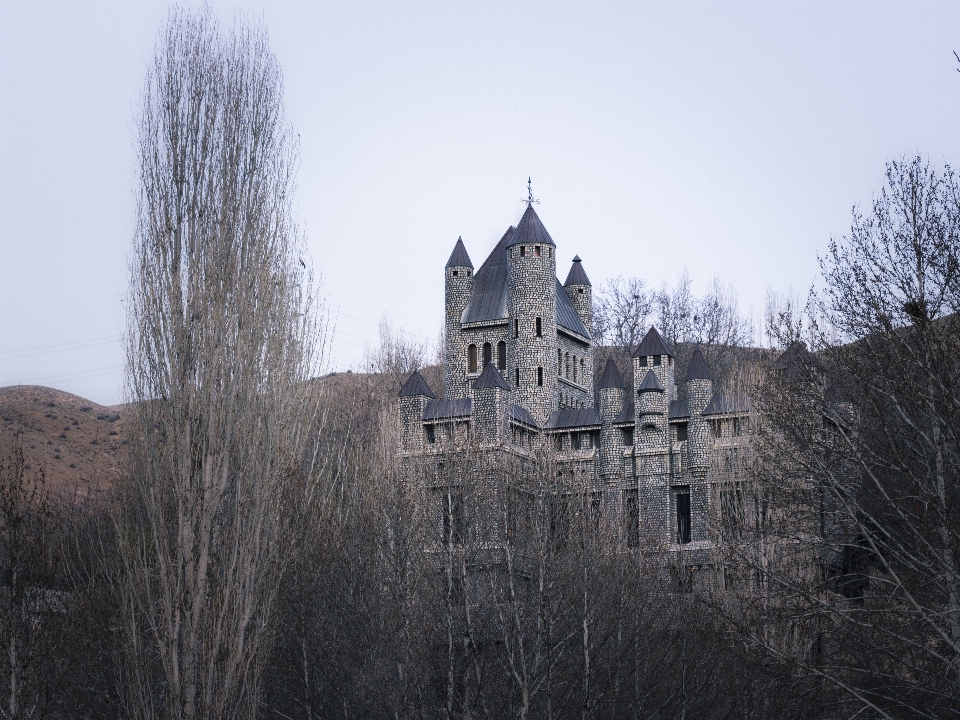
x=457 y=292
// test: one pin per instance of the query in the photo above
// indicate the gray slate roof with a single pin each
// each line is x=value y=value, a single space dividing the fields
x=577 y=276
x=652 y=344
x=520 y=415
x=698 y=369
x=611 y=377
x=573 y=418
x=489 y=301
x=459 y=257
x=567 y=317
x=650 y=382
x=530 y=231
x=490 y=378
x=448 y=409
x=626 y=415
x=416 y=385
x=723 y=405
x=678 y=409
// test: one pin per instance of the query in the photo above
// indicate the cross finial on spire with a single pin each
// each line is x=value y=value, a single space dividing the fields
x=530 y=199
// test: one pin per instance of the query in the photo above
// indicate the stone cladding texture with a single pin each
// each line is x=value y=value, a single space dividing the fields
x=491 y=409
x=611 y=438
x=699 y=436
x=582 y=390
x=581 y=297
x=457 y=292
x=531 y=294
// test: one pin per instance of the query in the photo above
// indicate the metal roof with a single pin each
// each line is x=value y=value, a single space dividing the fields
x=652 y=344
x=698 y=369
x=490 y=378
x=576 y=276
x=489 y=301
x=447 y=409
x=626 y=415
x=650 y=382
x=565 y=418
x=530 y=231
x=725 y=405
x=611 y=377
x=416 y=385
x=520 y=415
x=678 y=409
x=459 y=256
x=567 y=317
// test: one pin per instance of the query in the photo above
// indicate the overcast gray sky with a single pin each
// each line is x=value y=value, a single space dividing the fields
x=730 y=139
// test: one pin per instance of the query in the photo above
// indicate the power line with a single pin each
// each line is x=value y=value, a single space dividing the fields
x=57 y=347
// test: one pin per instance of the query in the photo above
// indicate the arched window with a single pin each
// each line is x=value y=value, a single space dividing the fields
x=472 y=358
x=501 y=356
x=567 y=358
x=574 y=368
x=583 y=367
x=540 y=376
x=559 y=363
x=487 y=358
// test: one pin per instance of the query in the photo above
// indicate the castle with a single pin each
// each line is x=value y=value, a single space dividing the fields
x=519 y=379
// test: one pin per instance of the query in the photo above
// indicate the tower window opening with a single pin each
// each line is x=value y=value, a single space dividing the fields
x=523 y=251
x=642 y=361
x=681 y=432
x=657 y=359
x=487 y=357
x=628 y=437
x=574 y=368
x=536 y=250
x=431 y=436
x=516 y=328
x=559 y=363
x=539 y=327
x=580 y=290
x=567 y=358
x=501 y=356
x=516 y=377
x=455 y=273
x=683 y=516
x=472 y=358
x=468 y=273
x=540 y=376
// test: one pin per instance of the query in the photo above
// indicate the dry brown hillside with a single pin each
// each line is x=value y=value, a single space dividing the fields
x=76 y=442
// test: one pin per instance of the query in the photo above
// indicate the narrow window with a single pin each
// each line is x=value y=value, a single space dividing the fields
x=657 y=359
x=431 y=436
x=681 y=432
x=575 y=440
x=468 y=273
x=472 y=358
x=539 y=327
x=566 y=357
x=449 y=428
x=628 y=437
x=536 y=250
x=558 y=441
x=540 y=376
x=717 y=427
x=501 y=356
x=516 y=328
x=487 y=359
x=516 y=377
x=631 y=517
x=642 y=360
x=574 y=368
x=736 y=427
x=683 y=516
x=559 y=363
x=582 y=367
x=523 y=251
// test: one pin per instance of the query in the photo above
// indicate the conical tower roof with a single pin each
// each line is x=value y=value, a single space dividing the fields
x=490 y=378
x=698 y=370
x=611 y=377
x=652 y=344
x=459 y=257
x=416 y=385
x=650 y=383
x=577 y=276
x=530 y=230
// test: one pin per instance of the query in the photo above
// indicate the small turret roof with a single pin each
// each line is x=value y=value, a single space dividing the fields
x=490 y=378
x=650 y=383
x=652 y=344
x=611 y=377
x=577 y=276
x=530 y=230
x=459 y=256
x=698 y=369
x=416 y=385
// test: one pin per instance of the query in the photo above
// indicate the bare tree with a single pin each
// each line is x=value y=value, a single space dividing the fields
x=222 y=337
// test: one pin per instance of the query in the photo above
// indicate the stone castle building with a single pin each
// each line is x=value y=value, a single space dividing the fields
x=519 y=380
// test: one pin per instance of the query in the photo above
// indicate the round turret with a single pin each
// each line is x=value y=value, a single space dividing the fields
x=458 y=289
x=580 y=292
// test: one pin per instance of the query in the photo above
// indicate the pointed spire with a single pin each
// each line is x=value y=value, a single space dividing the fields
x=650 y=383
x=611 y=377
x=416 y=386
x=652 y=344
x=698 y=369
x=576 y=276
x=490 y=378
x=530 y=230
x=459 y=257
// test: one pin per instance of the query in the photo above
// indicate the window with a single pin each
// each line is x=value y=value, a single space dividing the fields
x=574 y=368
x=468 y=273
x=681 y=432
x=657 y=359
x=683 y=515
x=516 y=377
x=472 y=358
x=501 y=356
x=487 y=359
x=580 y=290
x=559 y=363
x=631 y=517
x=540 y=376
x=736 y=427
x=567 y=358
x=536 y=250
x=516 y=328
x=539 y=327
x=558 y=441
x=628 y=437
x=717 y=427
x=455 y=273
x=642 y=361
x=523 y=251
x=450 y=512
x=431 y=435
x=583 y=366
x=575 y=440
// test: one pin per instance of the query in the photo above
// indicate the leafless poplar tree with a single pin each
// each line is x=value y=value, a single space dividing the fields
x=222 y=337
